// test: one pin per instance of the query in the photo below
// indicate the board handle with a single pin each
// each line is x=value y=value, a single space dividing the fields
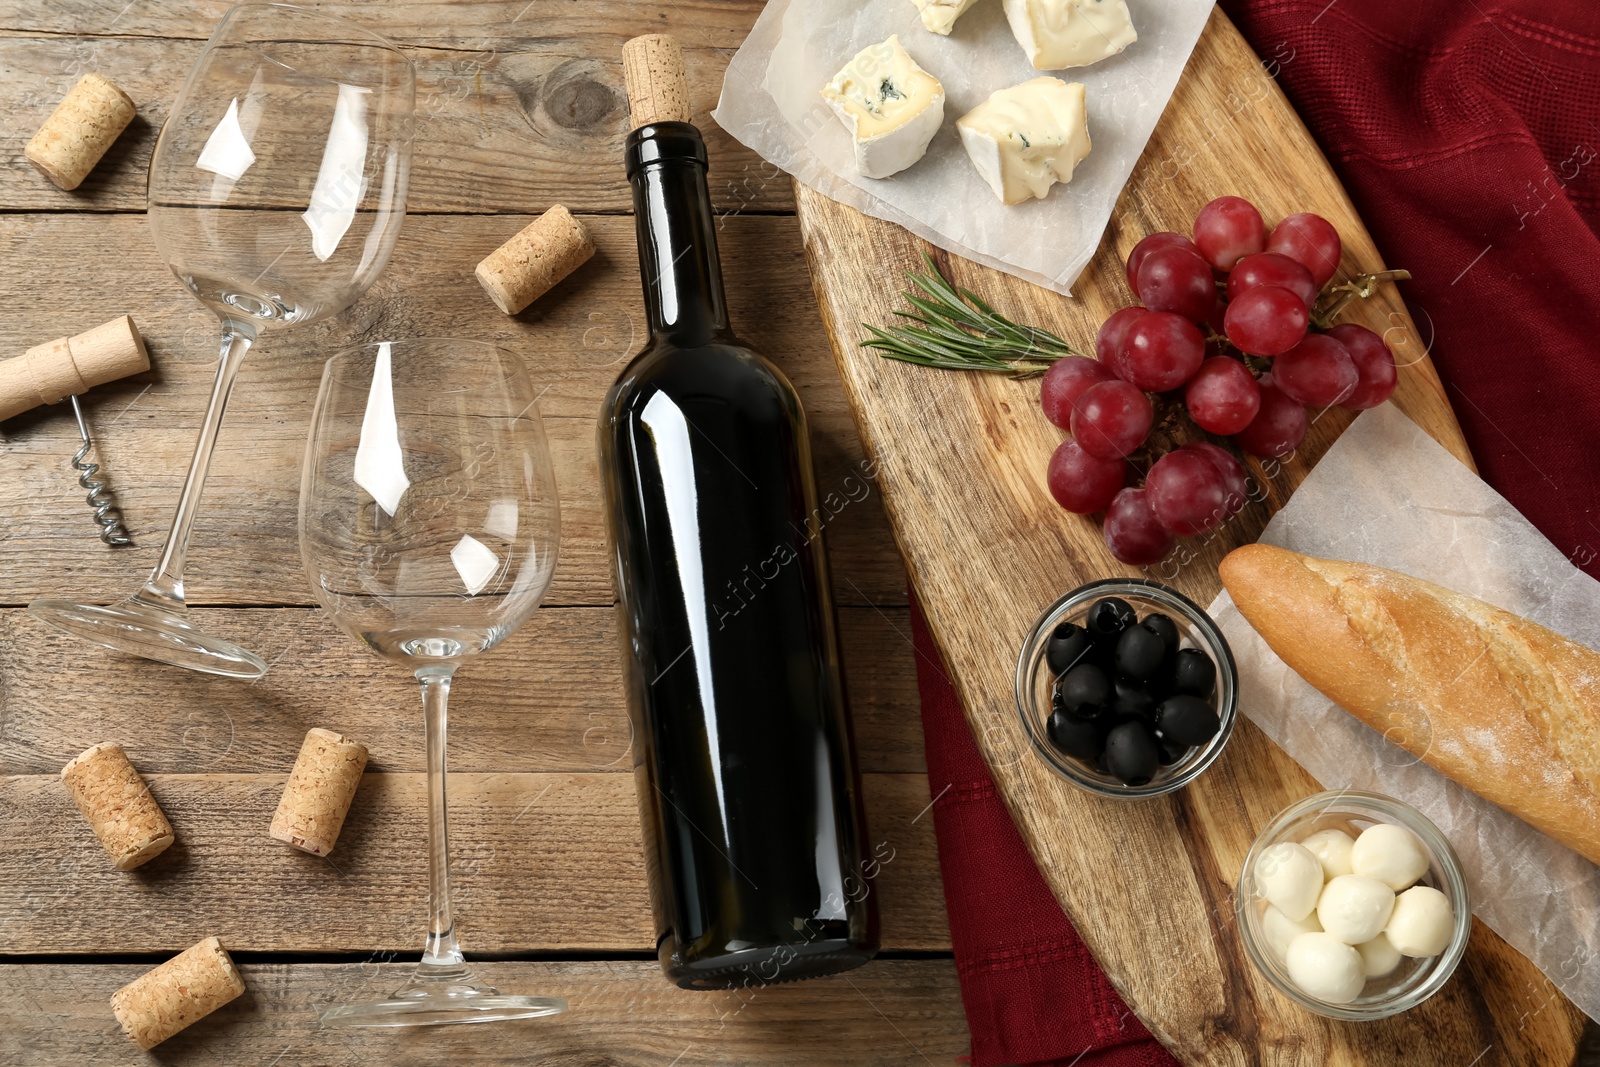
x=652 y=66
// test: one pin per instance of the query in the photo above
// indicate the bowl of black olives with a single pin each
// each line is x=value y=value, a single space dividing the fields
x=1127 y=688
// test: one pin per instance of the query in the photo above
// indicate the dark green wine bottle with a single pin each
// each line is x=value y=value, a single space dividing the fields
x=743 y=756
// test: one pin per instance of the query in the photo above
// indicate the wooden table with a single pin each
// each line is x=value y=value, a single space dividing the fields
x=520 y=106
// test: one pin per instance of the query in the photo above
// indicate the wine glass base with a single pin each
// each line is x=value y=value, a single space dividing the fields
x=151 y=631
x=431 y=1003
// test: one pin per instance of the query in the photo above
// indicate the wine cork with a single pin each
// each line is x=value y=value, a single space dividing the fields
x=79 y=130
x=68 y=366
x=652 y=67
x=319 y=791
x=529 y=265
x=182 y=991
x=118 y=805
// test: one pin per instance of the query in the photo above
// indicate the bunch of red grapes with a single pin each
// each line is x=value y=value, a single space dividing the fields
x=1226 y=332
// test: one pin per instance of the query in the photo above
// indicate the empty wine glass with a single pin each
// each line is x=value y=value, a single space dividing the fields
x=428 y=527
x=277 y=190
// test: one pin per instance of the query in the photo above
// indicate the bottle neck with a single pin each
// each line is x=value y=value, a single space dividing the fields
x=678 y=261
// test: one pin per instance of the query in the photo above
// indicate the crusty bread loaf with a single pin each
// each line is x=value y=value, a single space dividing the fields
x=1502 y=705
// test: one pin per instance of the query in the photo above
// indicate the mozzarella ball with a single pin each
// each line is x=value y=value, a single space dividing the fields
x=1332 y=849
x=1326 y=968
x=1391 y=854
x=1290 y=878
x=1279 y=930
x=1378 y=956
x=1355 y=909
x=1422 y=922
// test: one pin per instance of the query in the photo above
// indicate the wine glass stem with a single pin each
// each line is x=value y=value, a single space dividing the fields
x=442 y=956
x=166 y=581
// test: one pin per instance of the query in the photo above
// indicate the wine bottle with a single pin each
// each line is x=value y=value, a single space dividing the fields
x=744 y=761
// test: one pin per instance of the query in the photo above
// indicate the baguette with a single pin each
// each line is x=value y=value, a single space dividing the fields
x=1502 y=705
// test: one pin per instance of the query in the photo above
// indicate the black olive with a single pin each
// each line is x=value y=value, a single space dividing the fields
x=1139 y=653
x=1068 y=644
x=1108 y=617
x=1078 y=738
x=1186 y=720
x=1083 y=687
x=1132 y=699
x=1163 y=627
x=1171 y=753
x=1131 y=753
x=1193 y=673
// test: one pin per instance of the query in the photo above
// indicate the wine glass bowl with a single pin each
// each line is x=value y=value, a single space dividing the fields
x=468 y=549
x=276 y=193
x=278 y=185
x=429 y=523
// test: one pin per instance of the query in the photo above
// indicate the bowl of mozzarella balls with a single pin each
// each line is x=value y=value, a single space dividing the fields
x=1354 y=905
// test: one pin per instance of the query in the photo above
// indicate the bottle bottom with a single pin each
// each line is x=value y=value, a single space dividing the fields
x=766 y=964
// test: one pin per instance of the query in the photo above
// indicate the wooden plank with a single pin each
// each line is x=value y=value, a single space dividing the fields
x=540 y=860
x=549 y=699
x=532 y=109
x=1150 y=884
x=891 y=1013
x=576 y=340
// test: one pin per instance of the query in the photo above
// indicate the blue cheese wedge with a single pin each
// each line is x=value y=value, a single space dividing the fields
x=1070 y=33
x=940 y=16
x=1026 y=138
x=891 y=106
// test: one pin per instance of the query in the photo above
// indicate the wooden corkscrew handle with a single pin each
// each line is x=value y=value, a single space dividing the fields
x=68 y=366
x=652 y=66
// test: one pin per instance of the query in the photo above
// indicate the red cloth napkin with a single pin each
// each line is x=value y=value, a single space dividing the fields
x=1468 y=134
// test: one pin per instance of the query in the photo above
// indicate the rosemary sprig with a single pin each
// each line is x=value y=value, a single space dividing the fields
x=956 y=330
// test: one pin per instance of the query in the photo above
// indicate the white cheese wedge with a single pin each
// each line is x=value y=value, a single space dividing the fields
x=940 y=15
x=1026 y=138
x=891 y=106
x=1070 y=33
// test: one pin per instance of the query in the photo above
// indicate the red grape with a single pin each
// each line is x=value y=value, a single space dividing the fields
x=1150 y=244
x=1228 y=229
x=1374 y=363
x=1161 y=351
x=1278 y=427
x=1177 y=280
x=1080 y=482
x=1111 y=419
x=1266 y=320
x=1317 y=372
x=1236 y=488
x=1066 y=379
x=1132 y=531
x=1108 y=342
x=1187 y=492
x=1311 y=241
x=1214 y=321
x=1272 y=268
x=1222 y=397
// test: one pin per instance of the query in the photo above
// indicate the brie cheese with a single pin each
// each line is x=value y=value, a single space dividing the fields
x=1070 y=33
x=891 y=106
x=1026 y=138
x=940 y=15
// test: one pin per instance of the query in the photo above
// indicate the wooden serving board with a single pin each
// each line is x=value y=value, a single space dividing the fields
x=961 y=460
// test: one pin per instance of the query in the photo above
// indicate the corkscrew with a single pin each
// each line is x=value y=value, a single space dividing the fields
x=107 y=515
x=63 y=369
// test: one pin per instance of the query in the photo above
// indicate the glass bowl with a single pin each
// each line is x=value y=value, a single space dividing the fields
x=1352 y=811
x=1195 y=630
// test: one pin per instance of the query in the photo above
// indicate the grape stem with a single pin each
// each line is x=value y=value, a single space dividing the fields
x=1358 y=288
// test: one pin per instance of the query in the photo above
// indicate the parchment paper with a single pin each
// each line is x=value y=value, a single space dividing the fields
x=771 y=102
x=1388 y=495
